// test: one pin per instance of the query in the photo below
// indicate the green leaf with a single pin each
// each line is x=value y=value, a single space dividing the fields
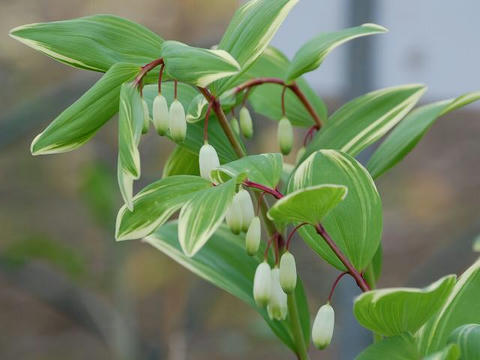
x=311 y=55
x=468 y=339
x=266 y=99
x=197 y=109
x=79 y=122
x=400 y=347
x=181 y=162
x=394 y=311
x=202 y=215
x=364 y=120
x=462 y=307
x=130 y=123
x=93 y=42
x=197 y=66
x=265 y=169
x=450 y=352
x=194 y=139
x=355 y=224
x=224 y=263
x=309 y=204
x=411 y=130
x=155 y=204
x=250 y=31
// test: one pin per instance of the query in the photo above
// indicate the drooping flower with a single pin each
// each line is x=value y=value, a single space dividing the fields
x=285 y=135
x=246 y=125
x=253 y=236
x=235 y=126
x=160 y=115
x=245 y=202
x=288 y=272
x=208 y=160
x=178 y=122
x=322 y=330
x=262 y=284
x=277 y=307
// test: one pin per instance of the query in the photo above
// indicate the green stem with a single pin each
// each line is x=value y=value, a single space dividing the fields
x=297 y=328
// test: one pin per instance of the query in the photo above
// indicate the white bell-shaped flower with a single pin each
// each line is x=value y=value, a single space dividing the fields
x=285 y=135
x=234 y=125
x=178 y=122
x=253 y=236
x=208 y=160
x=233 y=217
x=322 y=330
x=262 y=284
x=288 y=272
x=277 y=307
x=160 y=115
x=246 y=206
x=246 y=125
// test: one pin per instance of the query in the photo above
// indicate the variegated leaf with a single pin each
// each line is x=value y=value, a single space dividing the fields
x=462 y=307
x=265 y=169
x=197 y=109
x=355 y=224
x=411 y=130
x=79 y=122
x=364 y=120
x=155 y=204
x=395 y=311
x=311 y=55
x=308 y=204
x=202 y=215
x=92 y=42
x=250 y=31
x=197 y=66
x=468 y=339
x=400 y=347
x=181 y=162
x=224 y=263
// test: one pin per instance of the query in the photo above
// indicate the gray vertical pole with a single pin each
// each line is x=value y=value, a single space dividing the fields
x=359 y=73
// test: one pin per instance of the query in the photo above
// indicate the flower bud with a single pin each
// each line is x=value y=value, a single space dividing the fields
x=178 y=123
x=146 y=117
x=285 y=135
x=253 y=237
x=288 y=272
x=234 y=216
x=246 y=206
x=262 y=284
x=160 y=114
x=246 y=122
x=322 y=330
x=277 y=306
x=235 y=126
x=300 y=154
x=208 y=160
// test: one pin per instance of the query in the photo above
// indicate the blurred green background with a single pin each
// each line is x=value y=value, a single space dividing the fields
x=69 y=291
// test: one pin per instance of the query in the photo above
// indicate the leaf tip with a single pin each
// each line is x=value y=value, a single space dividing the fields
x=377 y=27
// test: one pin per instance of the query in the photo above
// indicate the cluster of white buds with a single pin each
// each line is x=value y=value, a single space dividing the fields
x=273 y=292
x=285 y=135
x=146 y=117
x=288 y=272
x=160 y=115
x=253 y=236
x=234 y=125
x=208 y=160
x=177 y=121
x=241 y=212
x=322 y=330
x=277 y=307
x=246 y=125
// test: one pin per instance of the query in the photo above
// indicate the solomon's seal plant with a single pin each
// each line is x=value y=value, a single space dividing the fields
x=327 y=196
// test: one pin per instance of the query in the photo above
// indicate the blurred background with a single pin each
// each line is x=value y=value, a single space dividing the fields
x=68 y=291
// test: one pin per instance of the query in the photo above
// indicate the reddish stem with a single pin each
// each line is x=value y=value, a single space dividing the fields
x=292 y=86
x=175 y=89
x=351 y=270
x=335 y=283
x=283 y=100
x=205 y=124
x=275 y=193
x=145 y=69
x=290 y=236
x=309 y=135
x=160 y=75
